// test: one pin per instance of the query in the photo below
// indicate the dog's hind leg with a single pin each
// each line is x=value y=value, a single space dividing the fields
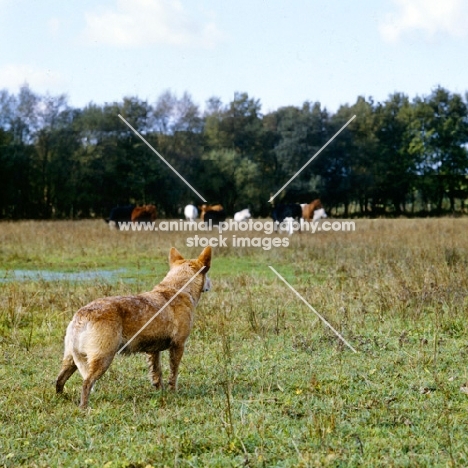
x=155 y=371
x=67 y=370
x=175 y=355
x=96 y=368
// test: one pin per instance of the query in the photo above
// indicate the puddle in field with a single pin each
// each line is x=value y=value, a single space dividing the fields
x=45 y=275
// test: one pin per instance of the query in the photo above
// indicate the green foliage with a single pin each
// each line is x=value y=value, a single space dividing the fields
x=301 y=133
x=232 y=177
x=440 y=145
x=396 y=157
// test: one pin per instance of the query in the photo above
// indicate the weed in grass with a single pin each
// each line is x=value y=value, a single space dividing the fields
x=225 y=360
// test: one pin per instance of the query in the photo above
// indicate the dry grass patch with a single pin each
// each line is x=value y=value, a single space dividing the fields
x=262 y=383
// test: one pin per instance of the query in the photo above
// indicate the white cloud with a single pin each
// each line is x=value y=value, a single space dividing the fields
x=147 y=22
x=54 y=25
x=12 y=76
x=428 y=16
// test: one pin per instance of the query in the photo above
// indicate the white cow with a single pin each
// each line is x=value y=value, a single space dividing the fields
x=319 y=214
x=191 y=213
x=242 y=215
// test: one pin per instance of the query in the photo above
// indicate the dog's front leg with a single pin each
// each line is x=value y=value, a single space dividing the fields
x=175 y=356
x=155 y=371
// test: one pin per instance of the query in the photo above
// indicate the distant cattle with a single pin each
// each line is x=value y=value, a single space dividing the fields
x=130 y=213
x=319 y=214
x=215 y=217
x=242 y=215
x=144 y=213
x=290 y=212
x=191 y=213
x=206 y=208
x=120 y=214
x=309 y=209
x=287 y=225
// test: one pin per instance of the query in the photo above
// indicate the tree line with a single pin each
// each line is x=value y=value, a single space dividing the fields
x=397 y=157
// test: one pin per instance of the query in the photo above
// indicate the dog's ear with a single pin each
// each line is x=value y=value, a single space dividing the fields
x=174 y=256
x=205 y=258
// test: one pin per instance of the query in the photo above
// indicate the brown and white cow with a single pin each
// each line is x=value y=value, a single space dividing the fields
x=144 y=213
x=205 y=208
x=308 y=209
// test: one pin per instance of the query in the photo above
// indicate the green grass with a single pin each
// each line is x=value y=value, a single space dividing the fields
x=262 y=382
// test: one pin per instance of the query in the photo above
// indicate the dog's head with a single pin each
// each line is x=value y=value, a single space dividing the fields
x=203 y=260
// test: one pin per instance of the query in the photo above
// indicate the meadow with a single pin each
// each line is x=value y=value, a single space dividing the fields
x=263 y=383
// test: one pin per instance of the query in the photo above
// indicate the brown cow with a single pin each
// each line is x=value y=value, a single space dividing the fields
x=205 y=208
x=144 y=213
x=308 y=210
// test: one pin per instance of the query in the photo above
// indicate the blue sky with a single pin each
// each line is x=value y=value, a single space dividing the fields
x=280 y=52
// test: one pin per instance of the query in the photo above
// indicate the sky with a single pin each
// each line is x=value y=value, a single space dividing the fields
x=281 y=52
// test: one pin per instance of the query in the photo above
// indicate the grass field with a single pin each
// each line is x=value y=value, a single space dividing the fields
x=262 y=382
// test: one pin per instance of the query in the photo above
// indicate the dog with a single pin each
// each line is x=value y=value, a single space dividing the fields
x=149 y=323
